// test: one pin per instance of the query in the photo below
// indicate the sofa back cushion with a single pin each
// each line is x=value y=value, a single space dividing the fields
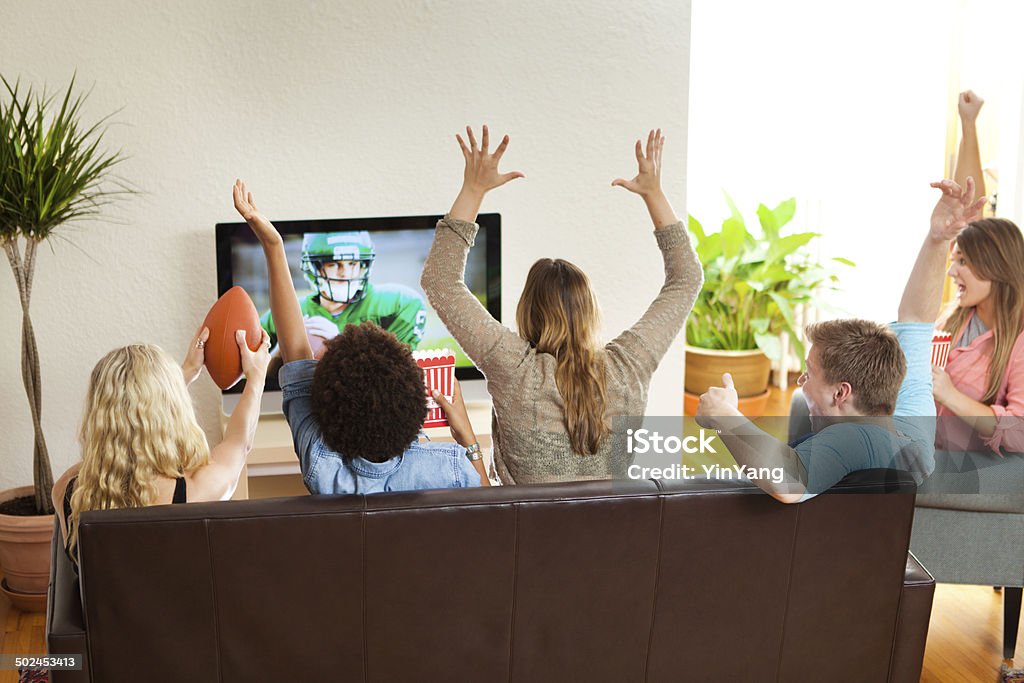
x=581 y=581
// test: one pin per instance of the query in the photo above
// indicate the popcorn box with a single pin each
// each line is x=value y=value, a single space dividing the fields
x=940 y=348
x=438 y=373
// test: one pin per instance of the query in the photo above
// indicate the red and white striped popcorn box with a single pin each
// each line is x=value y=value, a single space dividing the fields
x=438 y=373
x=940 y=348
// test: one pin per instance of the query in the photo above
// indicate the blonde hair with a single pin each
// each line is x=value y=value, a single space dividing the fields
x=864 y=354
x=138 y=426
x=558 y=314
x=994 y=249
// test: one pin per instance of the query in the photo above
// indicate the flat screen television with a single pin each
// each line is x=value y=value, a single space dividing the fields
x=384 y=258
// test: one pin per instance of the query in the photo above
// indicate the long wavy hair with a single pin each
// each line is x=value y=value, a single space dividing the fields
x=558 y=314
x=994 y=249
x=138 y=426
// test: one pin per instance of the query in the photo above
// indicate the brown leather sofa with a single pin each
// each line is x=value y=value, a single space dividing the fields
x=588 y=581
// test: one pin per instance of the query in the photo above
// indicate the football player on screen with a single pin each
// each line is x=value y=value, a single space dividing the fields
x=337 y=266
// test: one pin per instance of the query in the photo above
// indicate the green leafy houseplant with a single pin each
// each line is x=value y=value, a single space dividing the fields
x=753 y=282
x=52 y=171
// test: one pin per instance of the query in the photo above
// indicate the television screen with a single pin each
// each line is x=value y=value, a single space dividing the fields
x=350 y=270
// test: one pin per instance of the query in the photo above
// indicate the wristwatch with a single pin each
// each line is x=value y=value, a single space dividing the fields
x=473 y=452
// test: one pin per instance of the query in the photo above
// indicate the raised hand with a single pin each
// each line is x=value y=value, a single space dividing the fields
x=718 y=402
x=254 y=363
x=969 y=105
x=265 y=232
x=648 y=178
x=481 y=173
x=954 y=210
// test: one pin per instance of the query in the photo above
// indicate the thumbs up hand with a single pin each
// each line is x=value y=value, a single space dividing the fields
x=718 y=402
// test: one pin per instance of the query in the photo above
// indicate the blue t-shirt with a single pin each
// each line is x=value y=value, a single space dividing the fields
x=839 y=449
x=421 y=466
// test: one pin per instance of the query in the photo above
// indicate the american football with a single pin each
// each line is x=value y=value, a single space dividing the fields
x=233 y=311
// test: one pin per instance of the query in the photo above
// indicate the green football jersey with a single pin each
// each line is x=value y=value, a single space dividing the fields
x=395 y=308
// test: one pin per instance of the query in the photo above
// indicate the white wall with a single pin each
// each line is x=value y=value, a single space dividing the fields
x=991 y=65
x=846 y=107
x=333 y=110
x=842 y=107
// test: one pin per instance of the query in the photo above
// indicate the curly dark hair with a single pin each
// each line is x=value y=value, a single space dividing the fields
x=368 y=395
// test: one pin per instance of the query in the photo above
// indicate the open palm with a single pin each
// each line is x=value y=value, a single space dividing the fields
x=246 y=207
x=481 y=173
x=955 y=209
x=648 y=177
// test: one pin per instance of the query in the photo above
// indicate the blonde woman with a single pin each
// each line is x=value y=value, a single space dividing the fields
x=555 y=388
x=141 y=444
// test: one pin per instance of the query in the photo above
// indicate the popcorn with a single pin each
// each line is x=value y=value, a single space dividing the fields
x=940 y=348
x=438 y=373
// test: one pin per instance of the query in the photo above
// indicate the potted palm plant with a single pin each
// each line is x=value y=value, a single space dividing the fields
x=752 y=285
x=52 y=171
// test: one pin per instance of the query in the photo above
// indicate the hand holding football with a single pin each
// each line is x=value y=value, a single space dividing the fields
x=233 y=311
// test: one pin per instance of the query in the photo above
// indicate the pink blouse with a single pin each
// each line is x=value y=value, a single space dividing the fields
x=968 y=367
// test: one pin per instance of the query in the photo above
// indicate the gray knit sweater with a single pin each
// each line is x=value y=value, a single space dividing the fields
x=528 y=421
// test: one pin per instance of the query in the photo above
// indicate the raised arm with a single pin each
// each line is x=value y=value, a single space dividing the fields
x=647 y=181
x=645 y=343
x=284 y=304
x=922 y=295
x=480 y=175
x=443 y=278
x=968 y=159
x=217 y=480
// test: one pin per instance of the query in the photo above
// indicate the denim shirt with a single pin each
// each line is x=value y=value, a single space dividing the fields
x=421 y=466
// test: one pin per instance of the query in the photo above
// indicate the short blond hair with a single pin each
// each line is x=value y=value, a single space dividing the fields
x=864 y=354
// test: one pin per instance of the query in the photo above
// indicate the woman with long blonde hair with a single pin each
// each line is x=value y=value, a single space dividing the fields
x=556 y=389
x=141 y=444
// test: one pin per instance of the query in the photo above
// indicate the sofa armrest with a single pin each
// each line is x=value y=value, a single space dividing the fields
x=912 y=623
x=65 y=627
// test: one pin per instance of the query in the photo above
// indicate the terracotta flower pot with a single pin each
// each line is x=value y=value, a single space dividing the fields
x=749 y=369
x=25 y=547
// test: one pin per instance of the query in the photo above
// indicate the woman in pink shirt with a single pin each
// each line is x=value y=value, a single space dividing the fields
x=983 y=382
x=980 y=395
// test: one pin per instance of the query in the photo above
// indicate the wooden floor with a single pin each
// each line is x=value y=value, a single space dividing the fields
x=21 y=633
x=964 y=640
